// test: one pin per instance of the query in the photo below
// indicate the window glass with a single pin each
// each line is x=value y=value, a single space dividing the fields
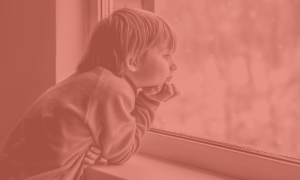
x=238 y=72
x=127 y=3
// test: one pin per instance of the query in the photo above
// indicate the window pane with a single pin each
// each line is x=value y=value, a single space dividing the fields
x=238 y=71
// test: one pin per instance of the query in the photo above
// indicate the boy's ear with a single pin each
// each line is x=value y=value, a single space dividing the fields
x=131 y=64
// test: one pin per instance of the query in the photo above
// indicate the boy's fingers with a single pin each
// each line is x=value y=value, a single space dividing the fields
x=168 y=91
x=151 y=90
x=92 y=155
x=95 y=149
x=89 y=161
x=176 y=92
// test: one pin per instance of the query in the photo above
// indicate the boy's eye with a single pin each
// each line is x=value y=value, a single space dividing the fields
x=166 y=56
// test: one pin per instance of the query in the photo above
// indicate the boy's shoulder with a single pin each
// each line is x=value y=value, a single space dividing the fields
x=110 y=83
x=98 y=81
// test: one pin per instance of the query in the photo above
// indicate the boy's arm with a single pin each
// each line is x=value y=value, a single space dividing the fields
x=117 y=128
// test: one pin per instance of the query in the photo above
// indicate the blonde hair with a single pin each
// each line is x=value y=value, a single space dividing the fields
x=127 y=32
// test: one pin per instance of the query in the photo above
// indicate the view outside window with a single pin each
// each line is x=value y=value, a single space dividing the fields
x=238 y=72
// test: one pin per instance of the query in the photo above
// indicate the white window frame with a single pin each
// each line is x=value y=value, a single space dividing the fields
x=237 y=161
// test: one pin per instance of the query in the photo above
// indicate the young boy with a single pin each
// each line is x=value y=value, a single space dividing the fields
x=98 y=104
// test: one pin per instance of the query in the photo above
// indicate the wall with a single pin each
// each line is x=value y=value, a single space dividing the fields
x=41 y=43
x=27 y=56
x=71 y=35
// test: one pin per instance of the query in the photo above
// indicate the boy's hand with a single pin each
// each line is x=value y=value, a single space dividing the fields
x=164 y=94
x=92 y=154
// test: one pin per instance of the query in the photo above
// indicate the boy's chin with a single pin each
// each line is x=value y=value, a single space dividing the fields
x=161 y=85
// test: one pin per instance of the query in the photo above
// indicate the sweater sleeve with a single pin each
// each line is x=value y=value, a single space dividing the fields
x=118 y=124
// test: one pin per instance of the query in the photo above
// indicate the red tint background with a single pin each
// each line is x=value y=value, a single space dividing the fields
x=41 y=43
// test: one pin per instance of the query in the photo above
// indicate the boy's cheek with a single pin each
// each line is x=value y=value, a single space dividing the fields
x=157 y=82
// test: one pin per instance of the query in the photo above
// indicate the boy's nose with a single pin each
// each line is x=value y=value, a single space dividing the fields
x=173 y=67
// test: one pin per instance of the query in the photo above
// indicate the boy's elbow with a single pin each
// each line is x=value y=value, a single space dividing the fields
x=123 y=157
x=120 y=160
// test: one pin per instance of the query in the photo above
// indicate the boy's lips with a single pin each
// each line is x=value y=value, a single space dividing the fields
x=169 y=79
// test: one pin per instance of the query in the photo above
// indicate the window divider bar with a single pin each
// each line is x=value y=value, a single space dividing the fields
x=105 y=8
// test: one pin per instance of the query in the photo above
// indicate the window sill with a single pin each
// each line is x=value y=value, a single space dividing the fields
x=232 y=160
x=164 y=156
x=146 y=167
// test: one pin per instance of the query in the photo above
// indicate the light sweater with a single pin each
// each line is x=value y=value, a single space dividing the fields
x=51 y=139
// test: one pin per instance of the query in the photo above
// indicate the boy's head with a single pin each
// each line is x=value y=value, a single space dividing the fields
x=127 y=34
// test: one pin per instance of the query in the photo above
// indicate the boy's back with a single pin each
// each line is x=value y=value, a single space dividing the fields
x=55 y=133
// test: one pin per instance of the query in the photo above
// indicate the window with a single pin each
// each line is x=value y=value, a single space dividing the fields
x=238 y=72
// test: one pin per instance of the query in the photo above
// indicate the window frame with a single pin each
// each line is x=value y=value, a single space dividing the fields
x=233 y=160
